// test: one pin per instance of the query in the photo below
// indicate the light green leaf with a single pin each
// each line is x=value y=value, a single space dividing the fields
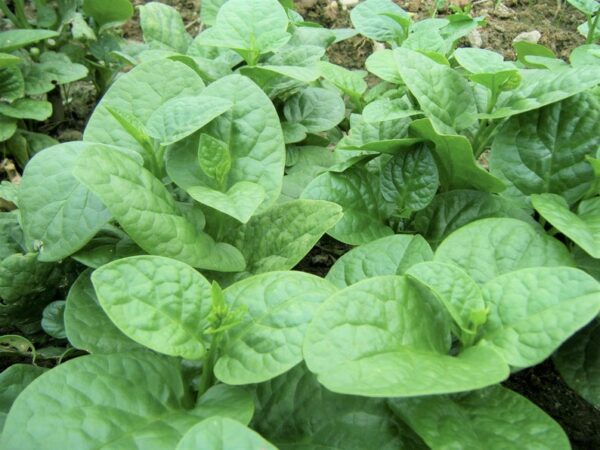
x=383 y=64
x=371 y=18
x=27 y=108
x=162 y=26
x=588 y=7
x=12 y=85
x=578 y=361
x=13 y=381
x=445 y=97
x=488 y=248
x=250 y=27
x=387 y=337
x=293 y=132
x=317 y=109
x=392 y=255
x=103 y=13
x=215 y=159
x=53 y=69
x=585 y=55
x=220 y=433
x=209 y=10
x=582 y=228
x=453 y=209
x=139 y=93
x=240 y=201
x=123 y=400
x=351 y=83
x=287 y=233
x=86 y=324
x=478 y=60
x=109 y=244
x=158 y=302
x=410 y=180
x=226 y=401
x=268 y=342
x=22 y=275
x=8 y=60
x=365 y=211
x=182 y=116
x=252 y=133
x=495 y=417
x=8 y=126
x=533 y=311
x=53 y=319
x=57 y=210
x=544 y=150
x=148 y=212
x=14 y=39
x=457 y=166
x=386 y=109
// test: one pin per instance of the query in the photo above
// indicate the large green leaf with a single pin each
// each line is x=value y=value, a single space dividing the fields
x=349 y=82
x=12 y=382
x=268 y=341
x=223 y=400
x=453 y=209
x=252 y=133
x=103 y=13
x=27 y=108
x=280 y=237
x=52 y=69
x=317 y=109
x=457 y=166
x=494 y=418
x=446 y=97
x=383 y=65
x=109 y=244
x=87 y=325
x=578 y=361
x=14 y=39
x=371 y=18
x=392 y=255
x=23 y=274
x=532 y=311
x=250 y=27
x=544 y=150
x=59 y=214
x=209 y=10
x=296 y=412
x=488 y=248
x=358 y=192
x=240 y=201
x=220 y=433
x=588 y=7
x=148 y=212
x=123 y=400
x=388 y=337
x=139 y=93
x=159 y=302
x=162 y=26
x=12 y=84
x=582 y=228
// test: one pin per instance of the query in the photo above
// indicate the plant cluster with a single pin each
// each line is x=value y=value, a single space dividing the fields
x=468 y=185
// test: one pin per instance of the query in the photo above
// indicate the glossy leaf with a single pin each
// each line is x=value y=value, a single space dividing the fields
x=163 y=26
x=371 y=18
x=392 y=255
x=13 y=39
x=240 y=201
x=27 y=108
x=226 y=401
x=12 y=382
x=109 y=244
x=317 y=109
x=158 y=302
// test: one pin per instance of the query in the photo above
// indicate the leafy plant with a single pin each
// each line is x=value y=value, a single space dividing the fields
x=590 y=9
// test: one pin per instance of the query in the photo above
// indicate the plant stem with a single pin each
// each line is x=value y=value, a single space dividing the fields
x=483 y=136
x=592 y=24
x=207 y=379
x=8 y=13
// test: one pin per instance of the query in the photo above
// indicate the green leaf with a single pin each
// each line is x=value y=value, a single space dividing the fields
x=386 y=109
x=13 y=381
x=544 y=150
x=457 y=291
x=240 y=201
x=163 y=27
x=542 y=87
x=317 y=109
x=53 y=69
x=287 y=233
x=357 y=191
x=103 y=13
x=293 y=132
x=86 y=324
x=296 y=412
x=209 y=10
x=250 y=27
x=123 y=400
x=588 y=7
x=533 y=311
x=351 y=83
x=139 y=93
x=58 y=211
x=582 y=228
x=14 y=39
x=488 y=248
x=22 y=275
x=445 y=97
x=220 y=433
x=585 y=55
x=375 y=20
x=495 y=417
x=215 y=159
x=392 y=255
x=578 y=361
x=451 y=210
x=383 y=64
x=53 y=319
x=109 y=244
x=182 y=116
x=268 y=342
x=252 y=134
x=410 y=180
x=226 y=401
x=158 y=302
x=8 y=60
x=457 y=166
x=12 y=85
x=8 y=126
x=27 y=108
x=387 y=337
x=148 y=212
x=489 y=69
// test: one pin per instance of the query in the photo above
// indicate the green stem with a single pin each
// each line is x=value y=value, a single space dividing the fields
x=20 y=12
x=592 y=28
x=207 y=379
x=8 y=13
x=483 y=136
